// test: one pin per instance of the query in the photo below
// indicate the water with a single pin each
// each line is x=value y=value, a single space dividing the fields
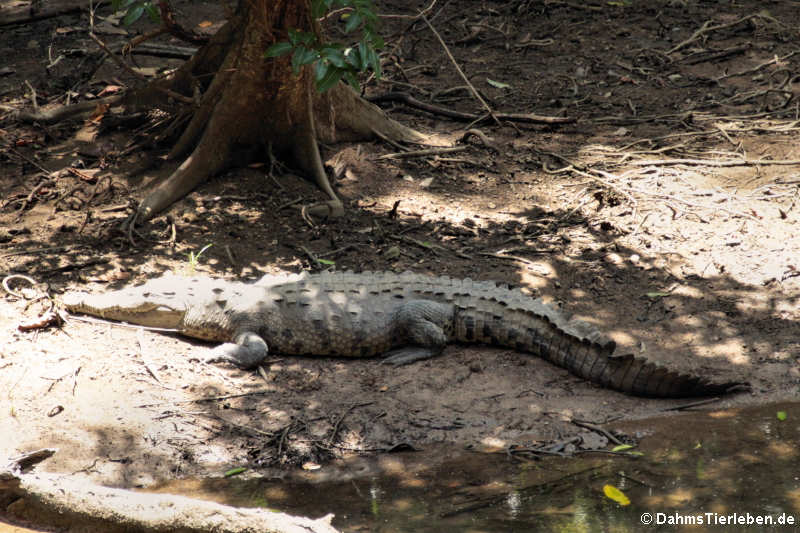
x=702 y=471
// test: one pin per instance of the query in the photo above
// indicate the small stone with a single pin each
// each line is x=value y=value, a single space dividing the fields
x=391 y=253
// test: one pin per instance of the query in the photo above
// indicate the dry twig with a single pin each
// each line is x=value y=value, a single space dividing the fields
x=460 y=72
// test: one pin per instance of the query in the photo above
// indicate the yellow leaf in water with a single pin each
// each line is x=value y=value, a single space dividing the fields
x=615 y=494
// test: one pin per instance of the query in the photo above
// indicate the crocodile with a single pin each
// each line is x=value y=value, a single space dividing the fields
x=404 y=317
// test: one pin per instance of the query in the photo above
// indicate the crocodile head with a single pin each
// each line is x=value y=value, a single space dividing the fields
x=159 y=303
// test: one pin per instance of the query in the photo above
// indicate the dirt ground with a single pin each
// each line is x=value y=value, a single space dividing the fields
x=666 y=214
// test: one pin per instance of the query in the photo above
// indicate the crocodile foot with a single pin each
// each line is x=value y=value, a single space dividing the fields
x=325 y=210
x=405 y=356
x=248 y=352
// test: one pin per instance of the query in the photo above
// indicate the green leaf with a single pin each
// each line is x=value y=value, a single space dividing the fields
x=363 y=52
x=326 y=261
x=152 y=12
x=134 y=13
x=782 y=415
x=621 y=448
x=353 y=22
x=351 y=80
x=368 y=14
x=279 y=49
x=333 y=55
x=235 y=471
x=303 y=56
x=498 y=84
x=318 y=8
x=321 y=69
x=655 y=295
x=376 y=40
x=327 y=77
x=353 y=58
x=297 y=37
x=374 y=61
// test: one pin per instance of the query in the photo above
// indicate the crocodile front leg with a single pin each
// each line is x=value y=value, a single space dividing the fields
x=248 y=351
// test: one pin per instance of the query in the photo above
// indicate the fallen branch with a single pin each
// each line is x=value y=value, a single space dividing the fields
x=124 y=66
x=692 y=404
x=467 y=117
x=706 y=56
x=458 y=68
x=423 y=153
x=716 y=163
x=30 y=11
x=774 y=61
x=708 y=28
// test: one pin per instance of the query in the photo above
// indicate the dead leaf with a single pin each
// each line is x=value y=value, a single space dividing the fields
x=110 y=89
x=615 y=494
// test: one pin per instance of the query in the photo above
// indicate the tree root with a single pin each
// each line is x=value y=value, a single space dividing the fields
x=209 y=157
x=349 y=118
x=58 y=114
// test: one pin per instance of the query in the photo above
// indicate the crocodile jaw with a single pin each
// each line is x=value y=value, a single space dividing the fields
x=149 y=313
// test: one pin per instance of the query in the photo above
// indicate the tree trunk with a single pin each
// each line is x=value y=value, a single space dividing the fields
x=249 y=102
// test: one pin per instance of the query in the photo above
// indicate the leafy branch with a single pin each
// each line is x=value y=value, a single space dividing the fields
x=332 y=61
x=134 y=9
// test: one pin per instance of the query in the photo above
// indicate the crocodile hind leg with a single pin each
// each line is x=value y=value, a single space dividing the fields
x=247 y=352
x=427 y=326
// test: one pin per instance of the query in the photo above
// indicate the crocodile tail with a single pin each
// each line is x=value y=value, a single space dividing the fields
x=595 y=362
x=579 y=348
x=637 y=376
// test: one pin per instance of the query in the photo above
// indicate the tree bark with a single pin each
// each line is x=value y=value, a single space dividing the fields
x=251 y=103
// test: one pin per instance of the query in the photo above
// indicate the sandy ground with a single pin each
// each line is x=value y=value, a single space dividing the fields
x=626 y=217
